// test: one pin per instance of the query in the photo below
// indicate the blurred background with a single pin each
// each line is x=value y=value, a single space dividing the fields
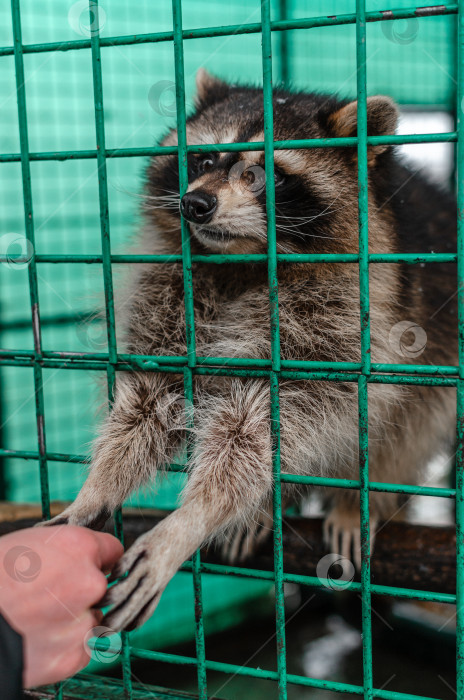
x=411 y=60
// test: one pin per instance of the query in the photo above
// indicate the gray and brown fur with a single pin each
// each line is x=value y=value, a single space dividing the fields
x=230 y=480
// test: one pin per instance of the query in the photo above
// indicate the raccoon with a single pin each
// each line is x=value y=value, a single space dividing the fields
x=412 y=314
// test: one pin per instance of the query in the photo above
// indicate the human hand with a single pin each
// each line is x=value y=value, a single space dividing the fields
x=49 y=580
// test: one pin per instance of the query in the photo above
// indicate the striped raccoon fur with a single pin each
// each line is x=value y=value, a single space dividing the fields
x=412 y=315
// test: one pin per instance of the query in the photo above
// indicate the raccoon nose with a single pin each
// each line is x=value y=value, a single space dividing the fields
x=198 y=207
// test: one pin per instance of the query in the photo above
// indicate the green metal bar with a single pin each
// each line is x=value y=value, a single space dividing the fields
x=183 y=178
x=284 y=62
x=365 y=536
x=246 y=28
x=270 y=187
x=361 y=80
x=155 y=361
x=290 y=144
x=249 y=672
x=460 y=519
x=103 y=188
x=409 y=258
x=107 y=277
x=196 y=561
x=266 y=43
x=32 y=267
x=379 y=486
x=363 y=186
x=231 y=372
x=189 y=315
x=277 y=537
x=316 y=582
x=460 y=383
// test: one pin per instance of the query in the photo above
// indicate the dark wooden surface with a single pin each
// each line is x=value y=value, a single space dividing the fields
x=411 y=556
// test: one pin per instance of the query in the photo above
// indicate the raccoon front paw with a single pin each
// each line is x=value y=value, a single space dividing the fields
x=342 y=534
x=243 y=543
x=94 y=519
x=147 y=569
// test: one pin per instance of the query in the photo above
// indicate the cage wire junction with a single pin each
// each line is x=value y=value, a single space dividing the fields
x=273 y=369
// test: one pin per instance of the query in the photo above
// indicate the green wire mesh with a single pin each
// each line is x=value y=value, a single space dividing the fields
x=274 y=35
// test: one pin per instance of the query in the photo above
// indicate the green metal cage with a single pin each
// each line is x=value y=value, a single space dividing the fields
x=275 y=22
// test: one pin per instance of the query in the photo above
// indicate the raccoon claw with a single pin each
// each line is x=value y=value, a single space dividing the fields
x=135 y=596
x=99 y=520
x=342 y=535
x=243 y=544
x=70 y=516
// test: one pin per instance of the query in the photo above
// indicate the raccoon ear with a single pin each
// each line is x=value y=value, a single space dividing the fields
x=382 y=119
x=209 y=88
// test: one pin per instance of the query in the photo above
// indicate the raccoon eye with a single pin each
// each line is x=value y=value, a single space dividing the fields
x=279 y=177
x=205 y=164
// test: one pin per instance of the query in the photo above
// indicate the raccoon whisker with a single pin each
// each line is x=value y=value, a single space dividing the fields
x=342 y=191
x=167 y=204
x=162 y=196
x=300 y=220
x=163 y=189
x=156 y=204
x=304 y=219
x=168 y=200
x=293 y=225
x=148 y=207
x=136 y=195
x=285 y=249
x=286 y=201
x=168 y=193
x=305 y=236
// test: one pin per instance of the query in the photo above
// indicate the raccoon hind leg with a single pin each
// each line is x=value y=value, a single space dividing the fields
x=342 y=524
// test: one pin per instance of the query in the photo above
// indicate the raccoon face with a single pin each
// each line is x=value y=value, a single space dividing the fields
x=315 y=189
